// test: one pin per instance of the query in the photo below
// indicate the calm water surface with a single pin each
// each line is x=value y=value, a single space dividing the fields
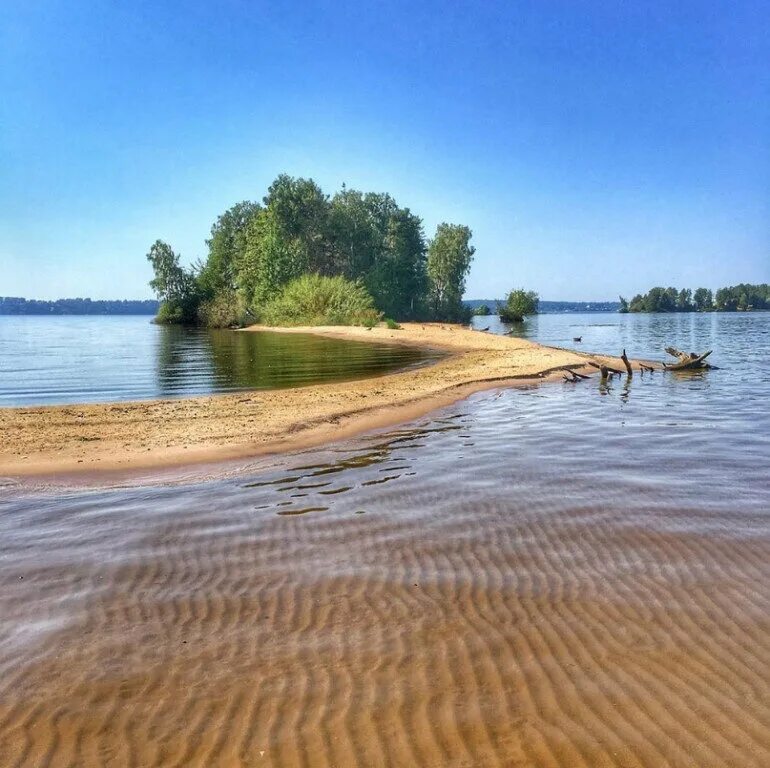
x=47 y=360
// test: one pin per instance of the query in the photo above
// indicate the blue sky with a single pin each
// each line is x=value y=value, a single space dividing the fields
x=594 y=148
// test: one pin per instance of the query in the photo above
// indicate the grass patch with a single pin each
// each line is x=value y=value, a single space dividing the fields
x=317 y=300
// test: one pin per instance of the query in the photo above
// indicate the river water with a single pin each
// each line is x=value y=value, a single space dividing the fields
x=565 y=575
x=85 y=359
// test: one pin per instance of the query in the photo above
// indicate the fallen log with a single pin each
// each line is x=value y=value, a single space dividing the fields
x=683 y=356
x=572 y=377
x=605 y=366
x=687 y=360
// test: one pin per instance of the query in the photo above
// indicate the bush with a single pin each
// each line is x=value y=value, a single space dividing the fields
x=224 y=310
x=392 y=324
x=459 y=313
x=317 y=300
x=481 y=311
x=177 y=312
x=518 y=305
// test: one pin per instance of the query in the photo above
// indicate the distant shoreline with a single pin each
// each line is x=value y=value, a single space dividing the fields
x=101 y=441
x=12 y=306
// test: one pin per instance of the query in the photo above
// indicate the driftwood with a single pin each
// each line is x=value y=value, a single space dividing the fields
x=572 y=377
x=624 y=358
x=687 y=360
x=604 y=368
x=647 y=368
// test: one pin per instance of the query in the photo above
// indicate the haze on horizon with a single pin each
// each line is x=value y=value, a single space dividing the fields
x=593 y=148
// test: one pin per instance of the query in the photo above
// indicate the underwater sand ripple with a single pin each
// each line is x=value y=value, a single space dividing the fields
x=462 y=621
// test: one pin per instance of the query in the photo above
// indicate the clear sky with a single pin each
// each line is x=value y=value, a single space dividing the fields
x=594 y=148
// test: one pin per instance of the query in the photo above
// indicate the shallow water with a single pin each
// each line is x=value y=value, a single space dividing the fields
x=735 y=334
x=568 y=575
x=47 y=360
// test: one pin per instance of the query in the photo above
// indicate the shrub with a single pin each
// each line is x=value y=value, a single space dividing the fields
x=223 y=310
x=177 y=312
x=518 y=305
x=317 y=300
x=392 y=324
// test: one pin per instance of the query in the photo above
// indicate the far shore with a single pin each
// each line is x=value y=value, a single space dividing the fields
x=106 y=439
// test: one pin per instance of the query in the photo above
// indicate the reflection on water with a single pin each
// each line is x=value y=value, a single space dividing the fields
x=96 y=359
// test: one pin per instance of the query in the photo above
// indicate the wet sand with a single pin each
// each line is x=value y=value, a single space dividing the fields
x=78 y=439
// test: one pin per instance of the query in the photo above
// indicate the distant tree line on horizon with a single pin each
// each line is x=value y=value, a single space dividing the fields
x=265 y=258
x=544 y=306
x=736 y=298
x=13 y=305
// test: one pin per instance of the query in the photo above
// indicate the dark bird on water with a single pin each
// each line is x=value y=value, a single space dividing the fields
x=577 y=338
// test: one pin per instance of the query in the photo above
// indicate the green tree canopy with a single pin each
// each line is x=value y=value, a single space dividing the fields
x=226 y=248
x=300 y=212
x=703 y=299
x=518 y=305
x=743 y=297
x=449 y=260
x=255 y=250
x=175 y=286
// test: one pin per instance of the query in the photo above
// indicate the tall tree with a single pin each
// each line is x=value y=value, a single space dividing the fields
x=684 y=300
x=397 y=277
x=301 y=213
x=175 y=286
x=226 y=246
x=449 y=261
x=268 y=262
x=704 y=299
x=356 y=231
x=383 y=245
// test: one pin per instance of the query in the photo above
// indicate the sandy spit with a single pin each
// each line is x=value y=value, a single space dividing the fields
x=56 y=441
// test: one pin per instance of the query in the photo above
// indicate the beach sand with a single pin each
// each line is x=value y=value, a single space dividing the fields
x=81 y=439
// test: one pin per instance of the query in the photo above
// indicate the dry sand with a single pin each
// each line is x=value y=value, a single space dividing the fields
x=71 y=439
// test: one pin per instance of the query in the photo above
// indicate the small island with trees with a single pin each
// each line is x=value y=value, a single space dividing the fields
x=302 y=257
x=518 y=304
x=737 y=298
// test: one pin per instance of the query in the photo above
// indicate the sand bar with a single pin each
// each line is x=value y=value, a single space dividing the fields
x=60 y=440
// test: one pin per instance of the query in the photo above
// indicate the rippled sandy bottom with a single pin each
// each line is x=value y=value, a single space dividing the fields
x=434 y=598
